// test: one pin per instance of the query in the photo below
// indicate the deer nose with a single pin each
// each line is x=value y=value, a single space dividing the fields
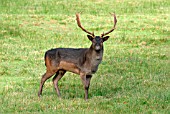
x=97 y=47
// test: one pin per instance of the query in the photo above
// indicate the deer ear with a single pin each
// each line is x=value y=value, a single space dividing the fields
x=105 y=38
x=90 y=37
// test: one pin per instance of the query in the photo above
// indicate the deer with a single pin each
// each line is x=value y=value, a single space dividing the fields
x=81 y=61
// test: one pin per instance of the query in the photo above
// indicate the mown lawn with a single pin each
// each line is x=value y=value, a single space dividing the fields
x=134 y=76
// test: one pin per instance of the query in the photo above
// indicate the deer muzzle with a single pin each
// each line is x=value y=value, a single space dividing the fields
x=97 y=47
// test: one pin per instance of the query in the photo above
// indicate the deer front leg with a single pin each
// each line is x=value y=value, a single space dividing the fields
x=88 y=78
x=86 y=82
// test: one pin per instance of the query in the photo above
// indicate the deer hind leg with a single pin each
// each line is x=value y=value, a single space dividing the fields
x=57 y=77
x=46 y=76
x=86 y=82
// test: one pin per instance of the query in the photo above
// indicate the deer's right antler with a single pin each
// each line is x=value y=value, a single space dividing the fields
x=79 y=24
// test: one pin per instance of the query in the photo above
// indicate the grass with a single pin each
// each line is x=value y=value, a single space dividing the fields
x=134 y=76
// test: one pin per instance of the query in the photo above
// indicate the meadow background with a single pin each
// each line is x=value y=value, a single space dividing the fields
x=134 y=76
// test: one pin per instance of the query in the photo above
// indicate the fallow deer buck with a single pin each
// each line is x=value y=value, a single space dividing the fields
x=81 y=61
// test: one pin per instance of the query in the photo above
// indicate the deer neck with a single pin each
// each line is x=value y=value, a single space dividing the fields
x=93 y=59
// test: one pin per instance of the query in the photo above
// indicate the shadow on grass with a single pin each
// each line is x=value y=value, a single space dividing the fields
x=104 y=92
x=78 y=92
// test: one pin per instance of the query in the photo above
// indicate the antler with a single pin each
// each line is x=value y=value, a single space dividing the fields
x=115 y=21
x=79 y=24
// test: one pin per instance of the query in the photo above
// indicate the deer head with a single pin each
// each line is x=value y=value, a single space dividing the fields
x=97 y=41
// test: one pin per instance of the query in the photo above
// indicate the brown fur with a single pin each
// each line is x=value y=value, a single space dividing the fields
x=82 y=61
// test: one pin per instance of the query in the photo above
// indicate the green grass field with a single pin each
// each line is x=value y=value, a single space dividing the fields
x=134 y=76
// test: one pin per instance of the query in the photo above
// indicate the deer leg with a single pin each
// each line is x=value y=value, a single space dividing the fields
x=88 y=78
x=57 y=77
x=86 y=82
x=46 y=76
